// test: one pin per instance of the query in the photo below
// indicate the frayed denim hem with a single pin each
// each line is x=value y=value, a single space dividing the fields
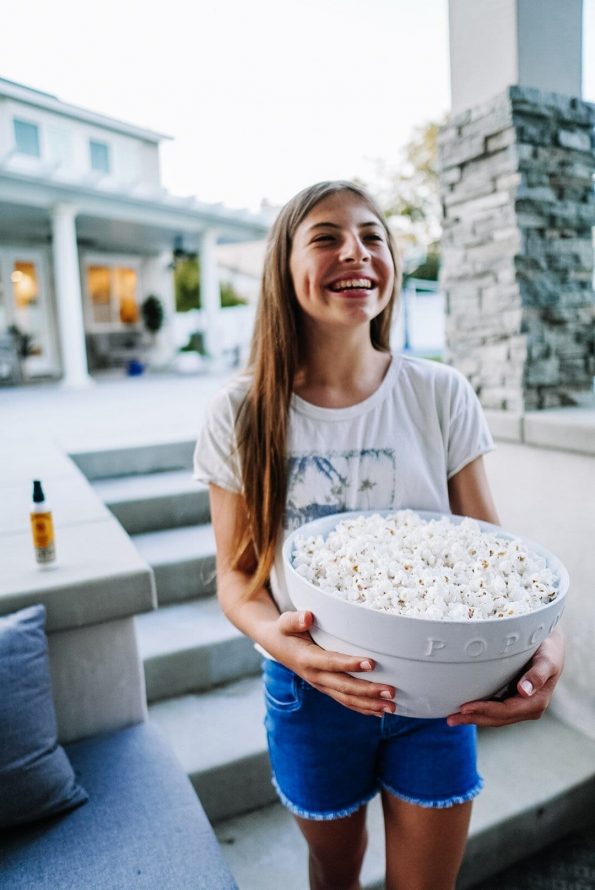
x=321 y=817
x=437 y=804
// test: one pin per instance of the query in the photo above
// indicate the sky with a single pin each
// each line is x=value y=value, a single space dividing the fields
x=262 y=97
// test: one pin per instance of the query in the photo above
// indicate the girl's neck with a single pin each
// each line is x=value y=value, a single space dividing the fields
x=337 y=372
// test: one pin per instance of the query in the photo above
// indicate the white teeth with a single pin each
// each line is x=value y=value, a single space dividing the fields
x=352 y=283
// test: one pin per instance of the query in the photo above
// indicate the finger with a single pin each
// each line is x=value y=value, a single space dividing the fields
x=344 y=684
x=315 y=662
x=512 y=710
x=336 y=662
x=541 y=672
x=295 y=622
x=355 y=692
x=364 y=705
x=300 y=622
x=315 y=659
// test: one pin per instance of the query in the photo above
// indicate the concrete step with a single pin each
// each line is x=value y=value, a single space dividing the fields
x=539 y=786
x=131 y=460
x=183 y=560
x=219 y=738
x=154 y=501
x=192 y=646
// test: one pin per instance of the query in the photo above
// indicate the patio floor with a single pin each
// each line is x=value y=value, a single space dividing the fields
x=116 y=411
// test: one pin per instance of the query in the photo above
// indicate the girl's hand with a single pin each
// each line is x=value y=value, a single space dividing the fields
x=535 y=690
x=291 y=644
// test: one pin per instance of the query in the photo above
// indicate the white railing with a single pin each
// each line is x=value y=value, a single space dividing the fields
x=418 y=326
x=419 y=322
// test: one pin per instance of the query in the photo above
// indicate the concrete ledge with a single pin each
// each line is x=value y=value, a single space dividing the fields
x=97 y=679
x=505 y=425
x=98 y=575
x=566 y=429
x=563 y=429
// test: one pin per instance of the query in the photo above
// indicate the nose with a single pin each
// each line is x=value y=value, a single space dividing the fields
x=354 y=250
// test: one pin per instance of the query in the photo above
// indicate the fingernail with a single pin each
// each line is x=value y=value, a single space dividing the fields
x=366 y=665
x=527 y=686
x=386 y=694
x=387 y=710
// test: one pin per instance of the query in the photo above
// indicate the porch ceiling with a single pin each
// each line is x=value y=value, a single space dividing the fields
x=20 y=224
x=117 y=219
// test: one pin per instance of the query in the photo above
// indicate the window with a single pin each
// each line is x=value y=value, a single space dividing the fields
x=28 y=314
x=99 y=285
x=113 y=295
x=125 y=293
x=99 y=156
x=26 y=137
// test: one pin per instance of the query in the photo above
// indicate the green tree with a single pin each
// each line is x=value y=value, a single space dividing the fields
x=409 y=194
x=187 y=282
x=187 y=285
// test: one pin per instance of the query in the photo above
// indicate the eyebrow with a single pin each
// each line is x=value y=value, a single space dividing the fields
x=331 y=225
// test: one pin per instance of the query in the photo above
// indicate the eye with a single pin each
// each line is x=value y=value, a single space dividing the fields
x=323 y=238
x=374 y=236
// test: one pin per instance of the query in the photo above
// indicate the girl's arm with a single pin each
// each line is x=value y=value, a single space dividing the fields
x=285 y=636
x=470 y=495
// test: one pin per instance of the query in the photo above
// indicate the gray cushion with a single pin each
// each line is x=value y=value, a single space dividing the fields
x=36 y=777
x=143 y=827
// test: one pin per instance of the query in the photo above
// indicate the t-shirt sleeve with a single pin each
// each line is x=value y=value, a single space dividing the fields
x=215 y=455
x=468 y=434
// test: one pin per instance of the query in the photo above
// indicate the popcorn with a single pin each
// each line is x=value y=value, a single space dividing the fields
x=434 y=569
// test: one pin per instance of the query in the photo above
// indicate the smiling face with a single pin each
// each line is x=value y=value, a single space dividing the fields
x=340 y=262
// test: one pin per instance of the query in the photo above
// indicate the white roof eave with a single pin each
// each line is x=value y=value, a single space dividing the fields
x=48 y=102
x=187 y=214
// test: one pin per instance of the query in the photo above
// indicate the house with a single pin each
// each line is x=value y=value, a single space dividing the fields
x=87 y=232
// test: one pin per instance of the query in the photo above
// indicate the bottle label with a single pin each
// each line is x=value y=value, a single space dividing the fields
x=43 y=536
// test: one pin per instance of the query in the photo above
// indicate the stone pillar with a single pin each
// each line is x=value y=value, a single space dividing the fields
x=210 y=295
x=68 y=297
x=517 y=250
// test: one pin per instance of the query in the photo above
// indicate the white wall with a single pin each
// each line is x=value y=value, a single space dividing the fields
x=157 y=278
x=64 y=142
x=548 y=496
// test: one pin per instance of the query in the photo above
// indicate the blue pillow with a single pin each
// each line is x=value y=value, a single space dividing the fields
x=36 y=778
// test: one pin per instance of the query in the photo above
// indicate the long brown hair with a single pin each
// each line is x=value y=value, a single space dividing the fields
x=262 y=421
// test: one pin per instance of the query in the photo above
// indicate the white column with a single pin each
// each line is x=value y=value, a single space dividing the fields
x=68 y=297
x=210 y=294
x=532 y=43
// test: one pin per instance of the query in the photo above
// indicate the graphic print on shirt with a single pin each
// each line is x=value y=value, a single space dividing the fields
x=337 y=481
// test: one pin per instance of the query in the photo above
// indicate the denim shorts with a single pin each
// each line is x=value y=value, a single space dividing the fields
x=328 y=760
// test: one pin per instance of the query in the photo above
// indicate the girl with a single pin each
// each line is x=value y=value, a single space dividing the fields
x=326 y=420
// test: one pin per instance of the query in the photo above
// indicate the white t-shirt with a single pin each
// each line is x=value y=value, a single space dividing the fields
x=394 y=450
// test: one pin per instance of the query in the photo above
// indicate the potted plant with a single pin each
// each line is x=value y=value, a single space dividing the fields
x=152 y=311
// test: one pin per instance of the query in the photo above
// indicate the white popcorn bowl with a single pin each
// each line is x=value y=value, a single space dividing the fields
x=436 y=666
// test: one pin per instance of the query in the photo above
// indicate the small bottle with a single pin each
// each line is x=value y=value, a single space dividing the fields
x=42 y=526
